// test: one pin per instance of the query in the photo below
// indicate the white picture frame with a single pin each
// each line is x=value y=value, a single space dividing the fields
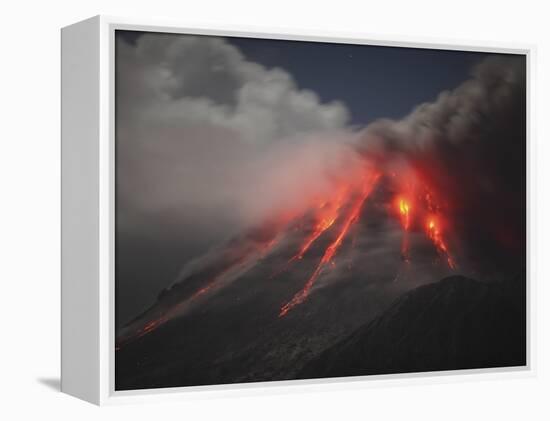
x=88 y=213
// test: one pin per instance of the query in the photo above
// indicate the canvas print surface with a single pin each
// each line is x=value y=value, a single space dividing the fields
x=298 y=210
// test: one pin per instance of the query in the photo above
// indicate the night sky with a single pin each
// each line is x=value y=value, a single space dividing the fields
x=374 y=82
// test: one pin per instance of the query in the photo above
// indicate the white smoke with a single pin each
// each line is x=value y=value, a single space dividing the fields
x=202 y=131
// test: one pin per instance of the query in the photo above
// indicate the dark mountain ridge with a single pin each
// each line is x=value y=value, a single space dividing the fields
x=456 y=323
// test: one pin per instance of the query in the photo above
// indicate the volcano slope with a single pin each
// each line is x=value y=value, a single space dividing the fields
x=456 y=323
x=228 y=319
x=237 y=335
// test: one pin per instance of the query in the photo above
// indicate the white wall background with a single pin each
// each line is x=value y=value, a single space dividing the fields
x=29 y=230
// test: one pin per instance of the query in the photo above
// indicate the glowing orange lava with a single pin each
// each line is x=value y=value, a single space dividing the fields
x=415 y=206
x=215 y=283
x=434 y=232
x=404 y=209
x=325 y=214
x=333 y=247
x=325 y=217
x=148 y=327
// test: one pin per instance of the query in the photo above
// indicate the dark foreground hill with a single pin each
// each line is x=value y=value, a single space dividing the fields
x=456 y=323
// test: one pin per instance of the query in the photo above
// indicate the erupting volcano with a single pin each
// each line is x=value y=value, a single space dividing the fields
x=433 y=228
x=269 y=214
x=332 y=217
x=331 y=250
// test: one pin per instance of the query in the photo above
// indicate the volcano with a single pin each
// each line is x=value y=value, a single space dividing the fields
x=320 y=232
x=271 y=303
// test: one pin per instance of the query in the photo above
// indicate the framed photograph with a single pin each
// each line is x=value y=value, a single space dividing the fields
x=248 y=209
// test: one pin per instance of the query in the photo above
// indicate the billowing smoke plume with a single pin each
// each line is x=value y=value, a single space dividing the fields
x=201 y=130
x=208 y=145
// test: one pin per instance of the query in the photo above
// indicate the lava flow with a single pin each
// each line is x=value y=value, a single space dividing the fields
x=238 y=262
x=172 y=312
x=404 y=211
x=333 y=247
x=428 y=215
x=433 y=230
x=325 y=216
x=414 y=205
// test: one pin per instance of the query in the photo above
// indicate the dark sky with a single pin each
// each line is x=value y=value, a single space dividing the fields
x=358 y=75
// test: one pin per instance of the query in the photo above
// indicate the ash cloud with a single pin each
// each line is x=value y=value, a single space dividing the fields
x=200 y=128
